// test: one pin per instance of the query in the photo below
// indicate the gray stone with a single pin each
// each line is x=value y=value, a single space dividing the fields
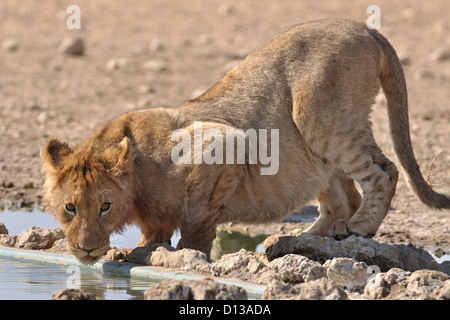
x=399 y=284
x=348 y=273
x=297 y=268
x=140 y=254
x=440 y=54
x=320 y=289
x=422 y=283
x=385 y=283
x=383 y=255
x=442 y=292
x=244 y=265
x=8 y=240
x=73 y=294
x=3 y=229
x=72 y=46
x=11 y=44
x=184 y=259
x=39 y=238
x=204 y=289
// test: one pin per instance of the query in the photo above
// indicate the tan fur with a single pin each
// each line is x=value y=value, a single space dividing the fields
x=315 y=82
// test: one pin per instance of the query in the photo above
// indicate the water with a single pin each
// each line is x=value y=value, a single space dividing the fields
x=31 y=280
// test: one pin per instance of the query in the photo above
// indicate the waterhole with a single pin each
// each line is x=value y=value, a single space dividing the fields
x=22 y=279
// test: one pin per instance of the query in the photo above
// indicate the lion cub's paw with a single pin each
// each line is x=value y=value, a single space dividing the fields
x=338 y=229
x=343 y=228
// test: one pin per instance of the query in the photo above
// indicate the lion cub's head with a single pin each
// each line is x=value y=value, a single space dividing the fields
x=89 y=191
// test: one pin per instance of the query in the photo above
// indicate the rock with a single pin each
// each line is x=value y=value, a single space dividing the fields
x=320 y=289
x=11 y=44
x=73 y=294
x=140 y=254
x=382 y=255
x=7 y=184
x=116 y=255
x=3 y=229
x=386 y=283
x=72 y=46
x=163 y=255
x=204 y=289
x=244 y=265
x=28 y=185
x=422 y=283
x=184 y=259
x=404 y=58
x=7 y=240
x=145 y=88
x=297 y=268
x=43 y=117
x=155 y=45
x=442 y=292
x=400 y=284
x=59 y=246
x=225 y=9
x=116 y=63
x=440 y=54
x=38 y=238
x=348 y=273
x=155 y=65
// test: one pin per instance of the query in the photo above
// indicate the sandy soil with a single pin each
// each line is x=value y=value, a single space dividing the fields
x=160 y=53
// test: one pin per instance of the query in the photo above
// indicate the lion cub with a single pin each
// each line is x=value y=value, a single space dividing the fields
x=304 y=97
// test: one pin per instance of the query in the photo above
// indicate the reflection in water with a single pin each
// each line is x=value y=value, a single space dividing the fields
x=233 y=241
x=30 y=280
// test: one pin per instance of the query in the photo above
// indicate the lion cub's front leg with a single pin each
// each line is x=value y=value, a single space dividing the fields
x=214 y=187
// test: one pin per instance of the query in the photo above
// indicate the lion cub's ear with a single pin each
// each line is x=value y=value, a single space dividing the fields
x=53 y=153
x=119 y=158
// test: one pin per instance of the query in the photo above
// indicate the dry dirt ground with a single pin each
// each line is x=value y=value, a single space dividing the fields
x=160 y=53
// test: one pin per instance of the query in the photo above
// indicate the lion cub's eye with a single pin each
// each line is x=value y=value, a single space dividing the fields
x=105 y=207
x=70 y=208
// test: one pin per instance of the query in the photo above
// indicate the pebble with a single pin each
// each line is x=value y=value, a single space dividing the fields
x=72 y=46
x=10 y=44
x=3 y=229
x=28 y=185
x=225 y=9
x=155 y=45
x=155 y=65
x=404 y=58
x=116 y=63
x=440 y=54
x=7 y=184
x=145 y=88
x=43 y=117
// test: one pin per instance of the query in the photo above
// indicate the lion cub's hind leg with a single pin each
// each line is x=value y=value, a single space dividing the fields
x=377 y=177
x=338 y=202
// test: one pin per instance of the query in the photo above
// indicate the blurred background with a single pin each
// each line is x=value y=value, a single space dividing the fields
x=60 y=82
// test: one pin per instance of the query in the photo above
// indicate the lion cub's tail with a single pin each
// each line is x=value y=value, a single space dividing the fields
x=394 y=87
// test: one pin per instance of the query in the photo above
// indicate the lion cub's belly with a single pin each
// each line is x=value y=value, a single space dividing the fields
x=263 y=198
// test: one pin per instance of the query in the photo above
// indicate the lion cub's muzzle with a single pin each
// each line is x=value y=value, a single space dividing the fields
x=87 y=256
